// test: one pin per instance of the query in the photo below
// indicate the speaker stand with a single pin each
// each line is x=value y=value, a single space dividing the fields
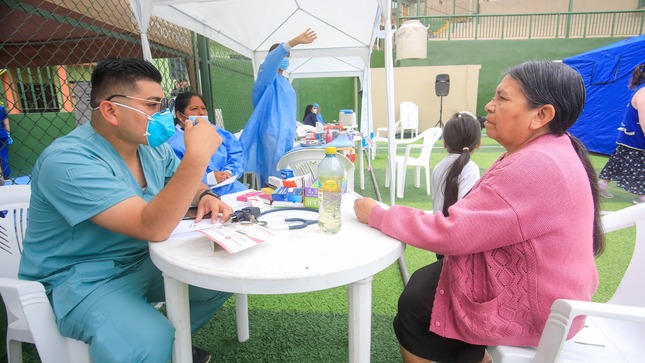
x=440 y=122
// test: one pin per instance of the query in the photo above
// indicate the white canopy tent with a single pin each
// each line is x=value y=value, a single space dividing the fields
x=346 y=32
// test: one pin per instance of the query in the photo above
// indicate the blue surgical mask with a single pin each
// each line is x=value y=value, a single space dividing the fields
x=284 y=64
x=161 y=126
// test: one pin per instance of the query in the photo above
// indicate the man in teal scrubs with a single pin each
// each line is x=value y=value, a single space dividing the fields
x=99 y=195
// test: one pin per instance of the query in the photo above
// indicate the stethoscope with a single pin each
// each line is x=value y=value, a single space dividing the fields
x=301 y=222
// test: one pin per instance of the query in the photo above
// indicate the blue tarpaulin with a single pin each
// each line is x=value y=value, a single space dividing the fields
x=606 y=72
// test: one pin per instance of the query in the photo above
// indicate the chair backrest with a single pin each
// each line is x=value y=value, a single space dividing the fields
x=30 y=316
x=430 y=137
x=14 y=207
x=629 y=291
x=301 y=131
x=305 y=161
x=409 y=115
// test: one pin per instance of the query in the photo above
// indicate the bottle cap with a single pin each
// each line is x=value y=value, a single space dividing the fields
x=330 y=150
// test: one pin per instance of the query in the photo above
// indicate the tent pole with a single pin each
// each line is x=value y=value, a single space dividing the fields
x=391 y=141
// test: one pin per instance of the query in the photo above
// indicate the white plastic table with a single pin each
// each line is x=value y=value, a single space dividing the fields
x=292 y=261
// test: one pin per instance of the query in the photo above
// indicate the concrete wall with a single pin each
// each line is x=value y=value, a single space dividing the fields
x=493 y=56
x=417 y=84
x=552 y=6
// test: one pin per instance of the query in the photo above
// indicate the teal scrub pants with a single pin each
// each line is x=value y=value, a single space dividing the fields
x=120 y=324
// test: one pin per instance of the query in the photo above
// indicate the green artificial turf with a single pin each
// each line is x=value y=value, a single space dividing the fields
x=312 y=327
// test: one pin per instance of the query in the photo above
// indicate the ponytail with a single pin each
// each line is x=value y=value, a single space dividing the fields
x=598 y=234
x=451 y=190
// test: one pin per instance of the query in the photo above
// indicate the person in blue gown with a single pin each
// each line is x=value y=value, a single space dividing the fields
x=316 y=110
x=228 y=160
x=271 y=129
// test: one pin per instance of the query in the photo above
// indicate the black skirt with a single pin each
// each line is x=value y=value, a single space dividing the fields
x=412 y=322
x=627 y=167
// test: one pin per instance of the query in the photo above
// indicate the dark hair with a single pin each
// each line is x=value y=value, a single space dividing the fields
x=182 y=100
x=119 y=76
x=557 y=84
x=307 y=111
x=273 y=47
x=638 y=76
x=461 y=134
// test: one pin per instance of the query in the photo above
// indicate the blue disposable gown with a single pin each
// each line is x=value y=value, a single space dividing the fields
x=229 y=156
x=271 y=129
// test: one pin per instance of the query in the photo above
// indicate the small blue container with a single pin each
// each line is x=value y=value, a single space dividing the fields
x=286 y=173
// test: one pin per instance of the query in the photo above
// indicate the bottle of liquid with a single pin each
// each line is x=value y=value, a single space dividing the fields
x=331 y=175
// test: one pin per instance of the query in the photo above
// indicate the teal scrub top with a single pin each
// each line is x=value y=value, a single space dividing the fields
x=77 y=177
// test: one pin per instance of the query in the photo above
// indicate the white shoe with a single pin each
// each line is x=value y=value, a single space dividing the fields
x=605 y=194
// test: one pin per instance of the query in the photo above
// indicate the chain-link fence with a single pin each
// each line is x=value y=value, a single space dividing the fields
x=47 y=53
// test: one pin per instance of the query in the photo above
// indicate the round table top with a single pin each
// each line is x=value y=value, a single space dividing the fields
x=291 y=261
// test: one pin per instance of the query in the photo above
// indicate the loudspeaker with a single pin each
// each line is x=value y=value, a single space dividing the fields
x=442 y=85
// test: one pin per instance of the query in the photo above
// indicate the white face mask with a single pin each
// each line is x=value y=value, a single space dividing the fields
x=314 y=111
x=193 y=118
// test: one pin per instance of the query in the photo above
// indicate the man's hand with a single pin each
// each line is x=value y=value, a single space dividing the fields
x=363 y=207
x=307 y=37
x=209 y=203
x=201 y=138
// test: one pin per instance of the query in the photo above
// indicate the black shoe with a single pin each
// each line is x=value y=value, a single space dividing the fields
x=200 y=355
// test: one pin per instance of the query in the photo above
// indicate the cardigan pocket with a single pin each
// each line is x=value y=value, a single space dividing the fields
x=490 y=318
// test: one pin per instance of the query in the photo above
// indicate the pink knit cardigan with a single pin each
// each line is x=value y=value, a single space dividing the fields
x=519 y=240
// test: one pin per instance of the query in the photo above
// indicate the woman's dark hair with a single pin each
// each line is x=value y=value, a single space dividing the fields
x=182 y=100
x=307 y=111
x=461 y=134
x=638 y=76
x=557 y=84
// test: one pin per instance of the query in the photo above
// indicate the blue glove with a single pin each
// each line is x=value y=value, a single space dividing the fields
x=10 y=141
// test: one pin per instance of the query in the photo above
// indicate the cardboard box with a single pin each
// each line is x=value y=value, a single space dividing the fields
x=283 y=194
x=311 y=195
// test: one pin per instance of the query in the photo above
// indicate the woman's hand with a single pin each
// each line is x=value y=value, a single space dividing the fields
x=363 y=207
x=307 y=37
x=220 y=176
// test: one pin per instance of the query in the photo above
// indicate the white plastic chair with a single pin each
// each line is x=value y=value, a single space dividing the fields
x=430 y=137
x=29 y=314
x=613 y=332
x=408 y=120
x=304 y=161
x=301 y=131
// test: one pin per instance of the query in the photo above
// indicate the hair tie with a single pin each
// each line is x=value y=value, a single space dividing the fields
x=459 y=115
x=466 y=149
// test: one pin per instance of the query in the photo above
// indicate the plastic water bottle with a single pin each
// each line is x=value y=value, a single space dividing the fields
x=331 y=175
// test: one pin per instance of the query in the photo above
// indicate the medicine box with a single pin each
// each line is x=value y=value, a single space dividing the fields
x=283 y=194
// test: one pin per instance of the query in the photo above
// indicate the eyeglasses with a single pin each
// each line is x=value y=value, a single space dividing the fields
x=164 y=103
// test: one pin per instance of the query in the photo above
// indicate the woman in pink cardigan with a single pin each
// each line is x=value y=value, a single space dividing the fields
x=524 y=236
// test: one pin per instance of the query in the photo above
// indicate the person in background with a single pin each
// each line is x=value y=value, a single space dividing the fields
x=5 y=141
x=525 y=235
x=456 y=173
x=627 y=164
x=319 y=117
x=185 y=87
x=227 y=161
x=271 y=129
x=310 y=117
x=98 y=196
